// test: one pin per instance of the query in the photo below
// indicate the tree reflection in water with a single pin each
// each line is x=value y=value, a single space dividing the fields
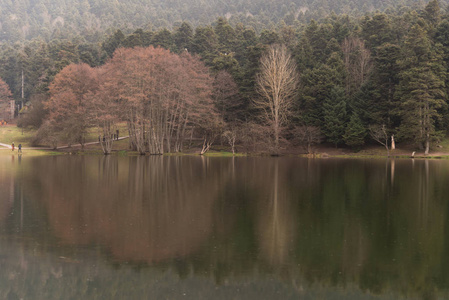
x=7 y=191
x=381 y=226
x=276 y=223
x=142 y=209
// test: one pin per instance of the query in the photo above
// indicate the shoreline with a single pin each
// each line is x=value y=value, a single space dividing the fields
x=40 y=151
x=121 y=149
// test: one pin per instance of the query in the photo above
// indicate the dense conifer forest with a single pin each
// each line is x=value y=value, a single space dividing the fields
x=27 y=19
x=365 y=71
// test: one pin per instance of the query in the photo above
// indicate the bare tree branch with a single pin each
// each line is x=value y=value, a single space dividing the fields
x=277 y=85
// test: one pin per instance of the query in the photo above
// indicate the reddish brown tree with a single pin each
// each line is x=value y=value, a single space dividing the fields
x=104 y=108
x=68 y=105
x=228 y=104
x=202 y=112
x=133 y=73
x=5 y=97
x=226 y=96
x=160 y=95
x=5 y=93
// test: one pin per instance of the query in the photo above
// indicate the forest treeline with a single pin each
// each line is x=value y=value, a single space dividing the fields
x=27 y=19
x=360 y=79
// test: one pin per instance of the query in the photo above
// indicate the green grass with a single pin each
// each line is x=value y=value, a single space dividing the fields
x=93 y=133
x=7 y=152
x=122 y=153
x=208 y=154
x=179 y=154
x=11 y=133
x=223 y=154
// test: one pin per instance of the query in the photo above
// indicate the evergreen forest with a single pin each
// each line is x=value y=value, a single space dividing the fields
x=364 y=71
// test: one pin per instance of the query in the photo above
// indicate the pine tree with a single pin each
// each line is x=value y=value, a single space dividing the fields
x=225 y=35
x=335 y=116
x=384 y=81
x=163 y=38
x=431 y=13
x=376 y=30
x=113 y=42
x=183 y=37
x=421 y=88
x=355 y=132
x=317 y=84
x=205 y=43
x=318 y=36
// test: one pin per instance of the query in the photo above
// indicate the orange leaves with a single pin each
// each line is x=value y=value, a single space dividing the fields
x=5 y=93
x=68 y=105
x=70 y=89
x=156 y=92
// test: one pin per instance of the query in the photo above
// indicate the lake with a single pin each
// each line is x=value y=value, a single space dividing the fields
x=94 y=227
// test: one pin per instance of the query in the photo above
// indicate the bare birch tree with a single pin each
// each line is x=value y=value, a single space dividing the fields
x=277 y=84
x=357 y=59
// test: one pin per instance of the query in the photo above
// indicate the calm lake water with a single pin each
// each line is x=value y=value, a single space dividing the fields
x=93 y=227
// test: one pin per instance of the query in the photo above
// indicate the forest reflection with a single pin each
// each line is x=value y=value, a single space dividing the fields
x=7 y=192
x=380 y=225
x=141 y=209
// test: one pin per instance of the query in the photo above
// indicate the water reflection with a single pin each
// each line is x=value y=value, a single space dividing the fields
x=141 y=209
x=276 y=223
x=314 y=227
x=7 y=190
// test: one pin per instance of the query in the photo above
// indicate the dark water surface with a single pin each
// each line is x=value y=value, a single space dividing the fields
x=93 y=227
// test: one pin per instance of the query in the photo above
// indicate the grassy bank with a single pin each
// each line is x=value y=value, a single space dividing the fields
x=28 y=152
x=11 y=133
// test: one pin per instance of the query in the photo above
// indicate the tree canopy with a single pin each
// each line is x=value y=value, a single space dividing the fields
x=380 y=70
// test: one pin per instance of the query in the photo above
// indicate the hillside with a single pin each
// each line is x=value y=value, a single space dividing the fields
x=27 y=19
x=355 y=80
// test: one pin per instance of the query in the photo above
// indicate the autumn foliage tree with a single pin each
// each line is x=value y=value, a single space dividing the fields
x=5 y=93
x=131 y=72
x=104 y=108
x=229 y=106
x=226 y=96
x=69 y=105
x=157 y=93
x=160 y=95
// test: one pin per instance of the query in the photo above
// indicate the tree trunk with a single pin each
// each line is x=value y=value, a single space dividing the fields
x=427 y=145
x=206 y=146
x=276 y=138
